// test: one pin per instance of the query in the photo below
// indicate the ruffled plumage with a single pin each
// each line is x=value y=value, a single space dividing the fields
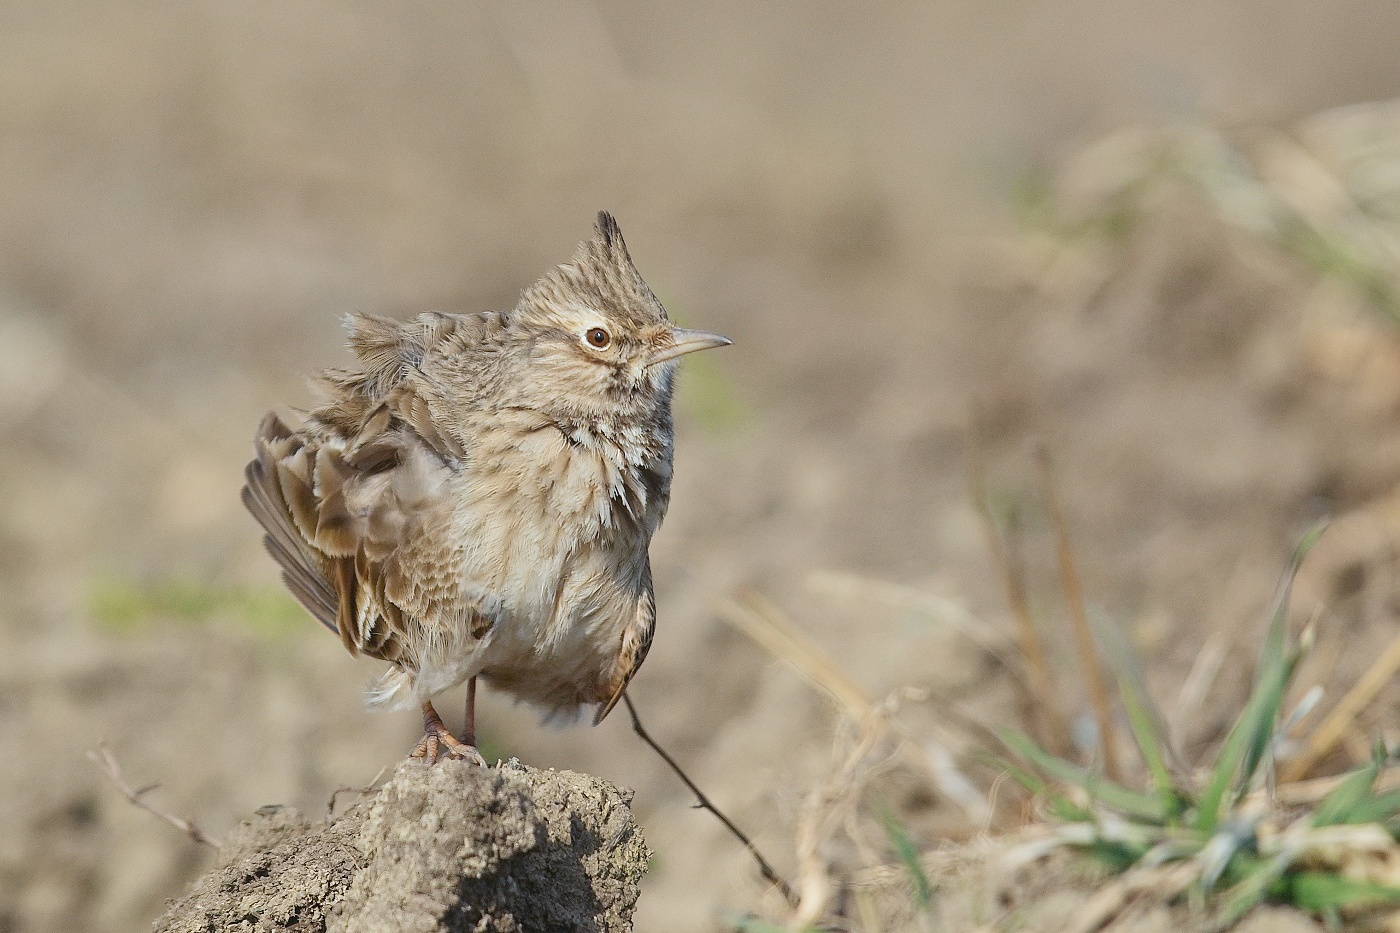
x=477 y=495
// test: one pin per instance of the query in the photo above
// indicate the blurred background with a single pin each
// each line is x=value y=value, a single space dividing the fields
x=1143 y=234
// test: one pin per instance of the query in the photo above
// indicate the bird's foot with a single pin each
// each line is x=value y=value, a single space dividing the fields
x=438 y=743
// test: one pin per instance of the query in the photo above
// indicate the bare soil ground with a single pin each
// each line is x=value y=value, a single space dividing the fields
x=193 y=195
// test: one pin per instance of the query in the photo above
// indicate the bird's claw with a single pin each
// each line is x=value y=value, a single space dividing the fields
x=438 y=744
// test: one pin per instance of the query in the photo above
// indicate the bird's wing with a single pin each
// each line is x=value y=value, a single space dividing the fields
x=636 y=642
x=356 y=503
x=305 y=570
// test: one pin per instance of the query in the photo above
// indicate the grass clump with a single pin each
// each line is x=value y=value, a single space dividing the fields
x=1222 y=834
x=1324 y=191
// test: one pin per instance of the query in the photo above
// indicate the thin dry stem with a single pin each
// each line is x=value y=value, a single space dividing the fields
x=911 y=599
x=1042 y=700
x=1306 y=793
x=102 y=757
x=1334 y=728
x=759 y=619
x=1157 y=885
x=347 y=789
x=769 y=627
x=826 y=809
x=1204 y=671
x=765 y=869
x=1094 y=680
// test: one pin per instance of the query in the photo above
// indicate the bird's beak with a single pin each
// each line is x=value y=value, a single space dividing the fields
x=687 y=341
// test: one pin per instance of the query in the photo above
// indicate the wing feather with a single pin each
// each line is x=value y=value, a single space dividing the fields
x=356 y=502
x=302 y=569
x=636 y=642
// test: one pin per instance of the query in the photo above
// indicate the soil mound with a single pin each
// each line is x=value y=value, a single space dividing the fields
x=447 y=848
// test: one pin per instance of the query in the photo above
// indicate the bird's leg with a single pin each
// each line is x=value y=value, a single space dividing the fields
x=438 y=741
x=469 y=730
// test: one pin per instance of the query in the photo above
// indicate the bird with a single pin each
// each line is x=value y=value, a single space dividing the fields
x=476 y=497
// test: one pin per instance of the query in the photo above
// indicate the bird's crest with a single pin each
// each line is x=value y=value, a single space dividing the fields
x=609 y=239
x=601 y=273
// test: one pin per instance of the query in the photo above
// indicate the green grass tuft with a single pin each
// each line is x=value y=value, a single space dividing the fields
x=1239 y=842
x=756 y=925
x=908 y=855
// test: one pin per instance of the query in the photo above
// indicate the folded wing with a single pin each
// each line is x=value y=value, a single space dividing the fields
x=356 y=502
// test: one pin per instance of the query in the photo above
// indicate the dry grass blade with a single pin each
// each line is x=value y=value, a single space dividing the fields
x=1042 y=701
x=1158 y=884
x=1309 y=793
x=360 y=791
x=759 y=619
x=910 y=599
x=825 y=809
x=1094 y=680
x=102 y=757
x=868 y=912
x=1204 y=671
x=1332 y=729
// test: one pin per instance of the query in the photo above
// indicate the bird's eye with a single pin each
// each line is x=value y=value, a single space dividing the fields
x=598 y=338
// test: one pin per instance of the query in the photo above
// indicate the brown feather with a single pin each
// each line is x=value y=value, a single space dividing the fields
x=337 y=529
x=344 y=580
x=302 y=571
x=636 y=643
x=335 y=517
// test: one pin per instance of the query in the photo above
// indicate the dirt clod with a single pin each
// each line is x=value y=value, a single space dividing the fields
x=453 y=847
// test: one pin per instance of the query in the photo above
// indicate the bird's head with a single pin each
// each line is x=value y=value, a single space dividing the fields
x=593 y=341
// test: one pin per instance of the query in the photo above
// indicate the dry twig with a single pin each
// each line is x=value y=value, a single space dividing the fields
x=765 y=869
x=347 y=789
x=1334 y=728
x=1042 y=700
x=826 y=809
x=102 y=757
x=770 y=628
x=1083 y=636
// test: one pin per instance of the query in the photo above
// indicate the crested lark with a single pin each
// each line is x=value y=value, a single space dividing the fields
x=476 y=498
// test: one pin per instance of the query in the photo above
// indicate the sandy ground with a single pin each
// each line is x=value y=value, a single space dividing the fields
x=193 y=194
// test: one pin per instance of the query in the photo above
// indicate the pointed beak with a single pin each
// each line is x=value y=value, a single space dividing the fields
x=687 y=341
